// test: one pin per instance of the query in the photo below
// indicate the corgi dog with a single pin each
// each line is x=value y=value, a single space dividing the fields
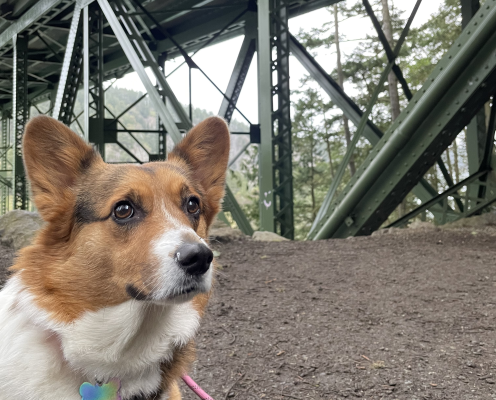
x=109 y=296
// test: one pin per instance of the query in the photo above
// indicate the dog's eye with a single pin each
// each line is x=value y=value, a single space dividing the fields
x=123 y=210
x=193 y=205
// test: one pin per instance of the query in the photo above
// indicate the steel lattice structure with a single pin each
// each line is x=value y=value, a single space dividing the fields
x=51 y=49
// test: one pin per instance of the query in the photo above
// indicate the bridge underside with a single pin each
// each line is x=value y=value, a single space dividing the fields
x=51 y=49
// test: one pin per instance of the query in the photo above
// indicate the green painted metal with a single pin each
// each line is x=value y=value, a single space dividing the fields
x=6 y=167
x=324 y=209
x=232 y=206
x=238 y=77
x=266 y=155
x=424 y=191
x=364 y=121
x=475 y=135
x=72 y=70
x=96 y=128
x=21 y=117
x=460 y=84
x=470 y=206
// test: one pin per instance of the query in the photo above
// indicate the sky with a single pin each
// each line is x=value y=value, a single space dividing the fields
x=218 y=60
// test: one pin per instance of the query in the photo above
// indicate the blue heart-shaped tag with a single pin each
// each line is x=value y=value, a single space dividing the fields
x=107 y=391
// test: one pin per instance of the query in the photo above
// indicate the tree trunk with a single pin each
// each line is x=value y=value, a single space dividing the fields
x=456 y=167
x=448 y=161
x=341 y=83
x=392 y=81
x=312 y=182
x=394 y=97
x=329 y=154
x=328 y=144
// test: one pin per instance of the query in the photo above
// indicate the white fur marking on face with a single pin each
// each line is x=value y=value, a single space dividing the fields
x=168 y=216
x=171 y=280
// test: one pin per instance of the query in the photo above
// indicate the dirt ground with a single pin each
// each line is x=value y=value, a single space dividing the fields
x=395 y=316
x=400 y=316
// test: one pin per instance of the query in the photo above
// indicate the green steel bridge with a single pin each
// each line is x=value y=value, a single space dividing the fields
x=51 y=50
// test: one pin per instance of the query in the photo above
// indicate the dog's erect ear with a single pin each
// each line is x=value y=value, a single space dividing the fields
x=205 y=149
x=54 y=157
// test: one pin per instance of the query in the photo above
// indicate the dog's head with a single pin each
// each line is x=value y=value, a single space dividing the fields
x=120 y=232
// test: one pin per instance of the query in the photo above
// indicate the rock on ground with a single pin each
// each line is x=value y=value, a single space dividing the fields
x=221 y=232
x=263 y=236
x=18 y=228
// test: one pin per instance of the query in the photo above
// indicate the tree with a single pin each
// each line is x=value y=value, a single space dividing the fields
x=341 y=83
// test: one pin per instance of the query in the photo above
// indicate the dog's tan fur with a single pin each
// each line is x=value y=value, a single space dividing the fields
x=75 y=266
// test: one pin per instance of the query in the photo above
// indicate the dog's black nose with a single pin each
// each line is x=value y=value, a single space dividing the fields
x=194 y=258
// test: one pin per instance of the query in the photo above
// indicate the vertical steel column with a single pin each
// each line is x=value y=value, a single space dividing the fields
x=95 y=89
x=265 y=155
x=283 y=175
x=21 y=116
x=4 y=202
x=476 y=129
x=162 y=136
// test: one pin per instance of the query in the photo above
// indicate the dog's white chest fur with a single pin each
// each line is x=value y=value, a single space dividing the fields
x=40 y=360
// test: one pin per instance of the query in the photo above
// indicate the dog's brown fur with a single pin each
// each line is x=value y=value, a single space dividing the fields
x=76 y=266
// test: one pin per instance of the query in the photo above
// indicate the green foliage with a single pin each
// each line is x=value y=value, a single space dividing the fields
x=431 y=41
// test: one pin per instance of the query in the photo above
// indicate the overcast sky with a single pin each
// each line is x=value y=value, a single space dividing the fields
x=218 y=60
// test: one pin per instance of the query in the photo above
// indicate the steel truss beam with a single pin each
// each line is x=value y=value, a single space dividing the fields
x=472 y=205
x=401 y=79
x=460 y=84
x=350 y=109
x=96 y=128
x=475 y=135
x=72 y=69
x=21 y=116
x=424 y=191
x=139 y=56
x=4 y=201
x=238 y=77
x=28 y=18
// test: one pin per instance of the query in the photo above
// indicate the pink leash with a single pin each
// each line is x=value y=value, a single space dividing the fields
x=195 y=388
